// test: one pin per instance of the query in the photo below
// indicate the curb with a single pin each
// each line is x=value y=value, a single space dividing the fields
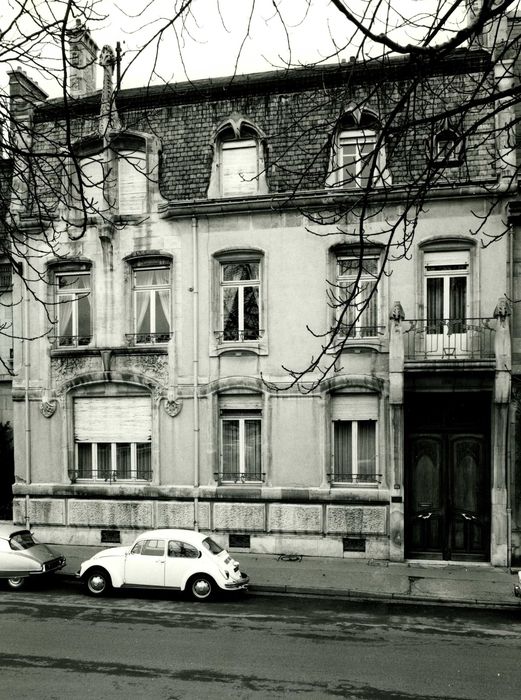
x=360 y=596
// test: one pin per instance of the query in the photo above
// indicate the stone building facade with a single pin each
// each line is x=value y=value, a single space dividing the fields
x=212 y=233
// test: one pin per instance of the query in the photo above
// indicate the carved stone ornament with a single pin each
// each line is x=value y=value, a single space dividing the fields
x=48 y=408
x=397 y=312
x=173 y=408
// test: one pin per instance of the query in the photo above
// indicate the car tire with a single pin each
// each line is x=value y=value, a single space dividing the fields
x=98 y=582
x=201 y=587
x=16 y=583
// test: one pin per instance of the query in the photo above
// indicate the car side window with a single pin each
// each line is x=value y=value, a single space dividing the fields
x=182 y=550
x=136 y=549
x=153 y=548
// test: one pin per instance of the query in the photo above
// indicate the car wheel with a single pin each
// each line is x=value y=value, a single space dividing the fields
x=16 y=583
x=98 y=582
x=202 y=587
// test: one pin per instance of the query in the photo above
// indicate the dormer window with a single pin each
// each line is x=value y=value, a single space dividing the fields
x=447 y=148
x=114 y=180
x=356 y=160
x=239 y=167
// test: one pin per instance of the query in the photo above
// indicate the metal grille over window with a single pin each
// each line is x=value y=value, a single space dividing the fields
x=113 y=438
x=240 y=301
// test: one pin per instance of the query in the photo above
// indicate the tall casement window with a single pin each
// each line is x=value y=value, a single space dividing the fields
x=240 y=299
x=112 y=438
x=239 y=161
x=73 y=307
x=240 y=439
x=446 y=277
x=151 y=290
x=112 y=180
x=354 y=439
x=357 y=286
x=357 y=161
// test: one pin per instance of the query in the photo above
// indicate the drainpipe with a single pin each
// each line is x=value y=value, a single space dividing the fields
x=195 y=361
x=27 y=407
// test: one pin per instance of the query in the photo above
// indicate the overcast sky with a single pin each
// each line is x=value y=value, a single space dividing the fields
x=227 y=36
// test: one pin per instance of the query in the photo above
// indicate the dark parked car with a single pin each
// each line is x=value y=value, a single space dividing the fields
x=22 y=556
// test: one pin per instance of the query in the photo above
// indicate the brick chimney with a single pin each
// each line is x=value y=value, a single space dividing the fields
x=24 y=92
x=83 y=54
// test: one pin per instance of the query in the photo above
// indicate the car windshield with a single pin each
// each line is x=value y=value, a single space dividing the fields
x=22 y=540
x=212 y=546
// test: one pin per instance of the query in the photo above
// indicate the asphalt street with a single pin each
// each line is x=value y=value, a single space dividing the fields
x=58 y=643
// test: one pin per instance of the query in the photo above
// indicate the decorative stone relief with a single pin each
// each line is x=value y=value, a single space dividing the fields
x=152 y=365
x=65 y=368
x=48 y=407
x=173 y=408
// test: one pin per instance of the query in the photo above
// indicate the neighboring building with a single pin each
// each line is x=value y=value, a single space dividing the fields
x=153 y=401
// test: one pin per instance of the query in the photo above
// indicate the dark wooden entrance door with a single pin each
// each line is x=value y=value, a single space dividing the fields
x=447 y=487
x=447 y=497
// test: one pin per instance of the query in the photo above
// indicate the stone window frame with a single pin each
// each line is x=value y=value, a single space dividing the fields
x=354 y=251
x=146 y=259
x=95 y=388
x=217 y=344
x=117 y=143
x=236 y=129
x=56 y=268
x=449 y=156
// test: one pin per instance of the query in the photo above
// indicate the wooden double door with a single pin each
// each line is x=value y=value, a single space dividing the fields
x=448 y=478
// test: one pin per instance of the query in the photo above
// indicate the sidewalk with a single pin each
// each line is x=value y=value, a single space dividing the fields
x=441 y=583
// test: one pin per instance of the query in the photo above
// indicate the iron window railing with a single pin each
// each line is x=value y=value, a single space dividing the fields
x=110 y=475
x=147 y=338
x=349 y=478
x=70 y=341
x=449 y=339
x=239 y=477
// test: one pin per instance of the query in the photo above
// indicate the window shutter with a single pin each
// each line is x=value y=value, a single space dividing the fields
x=355 y=407
x=132 y=187
x=114 y=419
x=92 y=180
x=238 y=402
x=239 y=167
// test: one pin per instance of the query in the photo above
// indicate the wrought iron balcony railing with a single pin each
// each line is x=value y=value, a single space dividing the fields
x=361 y=332
x=110 y=475
x=239 y=477
x=349 y=478
x=449 y=339
x=147 y=338
x=70 y=341
x=238 y=336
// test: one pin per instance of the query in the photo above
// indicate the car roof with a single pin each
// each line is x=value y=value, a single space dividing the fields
x=7 y=531
x=190 y=536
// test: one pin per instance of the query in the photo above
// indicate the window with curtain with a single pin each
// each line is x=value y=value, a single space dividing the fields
x=355 y=451
x=240 y=300
x=113 y=438
x=357 y=287
x=446 y=291
x=241 y=445
x=73 y=308
x=356 y=160
x=152 y=306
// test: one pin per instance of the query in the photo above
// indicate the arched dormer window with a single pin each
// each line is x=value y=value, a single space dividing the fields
x=239 y=163
x=356 y=161
x=115 y=179
x=447 y=147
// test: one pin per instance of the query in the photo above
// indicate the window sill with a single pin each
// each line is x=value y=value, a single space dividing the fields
x=238 y=348
x=356 y=345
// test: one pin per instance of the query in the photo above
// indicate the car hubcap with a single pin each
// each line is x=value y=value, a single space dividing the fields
x=97 y=583
x=17 y=581
x=202 y=588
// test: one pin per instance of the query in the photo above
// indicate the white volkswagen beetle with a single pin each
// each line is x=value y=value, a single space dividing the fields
x=182 y=560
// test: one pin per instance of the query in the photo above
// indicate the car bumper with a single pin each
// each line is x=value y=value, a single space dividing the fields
x=517 y=590
x=240 y=584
